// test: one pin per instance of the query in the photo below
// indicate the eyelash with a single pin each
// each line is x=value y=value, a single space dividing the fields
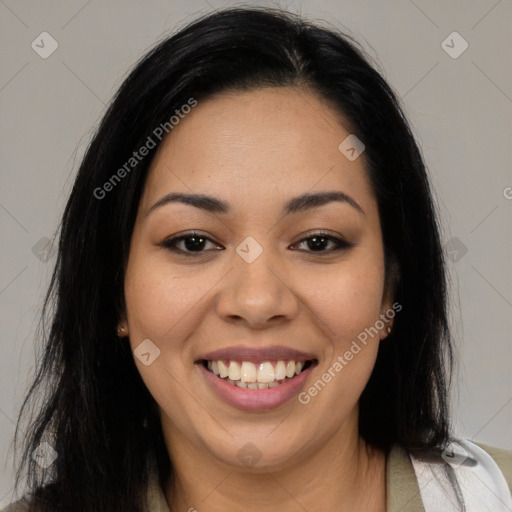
x=170 y=244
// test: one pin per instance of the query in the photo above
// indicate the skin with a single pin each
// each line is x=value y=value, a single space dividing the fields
x=256 y=150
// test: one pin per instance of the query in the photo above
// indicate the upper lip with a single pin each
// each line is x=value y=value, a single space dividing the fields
x=257 y=354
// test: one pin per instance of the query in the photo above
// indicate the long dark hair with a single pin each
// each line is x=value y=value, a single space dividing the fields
x=87 y=399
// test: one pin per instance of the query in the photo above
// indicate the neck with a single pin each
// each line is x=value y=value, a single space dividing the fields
x=345 y=474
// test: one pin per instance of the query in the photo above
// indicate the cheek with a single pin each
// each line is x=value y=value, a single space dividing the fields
x=157 y=297
x=160 y=307
x=350 y=303
x=349 y=300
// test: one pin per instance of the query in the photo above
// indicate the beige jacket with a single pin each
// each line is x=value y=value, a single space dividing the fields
x=403 y=493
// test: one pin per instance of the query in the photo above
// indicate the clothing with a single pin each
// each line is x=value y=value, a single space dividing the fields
x=402 y=488
x=464 y=477
x=403 y=491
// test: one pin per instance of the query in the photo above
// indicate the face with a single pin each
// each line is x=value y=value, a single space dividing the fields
x=249 y=315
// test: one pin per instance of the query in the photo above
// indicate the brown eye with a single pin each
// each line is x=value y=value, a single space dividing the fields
x=192 y=243
x=317 y=242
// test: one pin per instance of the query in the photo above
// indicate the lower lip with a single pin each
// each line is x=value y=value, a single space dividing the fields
x=256 y=399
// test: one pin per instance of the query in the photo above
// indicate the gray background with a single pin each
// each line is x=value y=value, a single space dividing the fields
x=460 y=109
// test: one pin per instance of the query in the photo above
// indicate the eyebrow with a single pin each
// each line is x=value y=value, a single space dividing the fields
x=297 y=204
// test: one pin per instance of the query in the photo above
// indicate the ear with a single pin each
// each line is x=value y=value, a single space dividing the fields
x=122 y=325
x=122 y=322
x=388 y=305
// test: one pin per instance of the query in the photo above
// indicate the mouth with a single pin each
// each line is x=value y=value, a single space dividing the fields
x=259 y=375
x=256 y=379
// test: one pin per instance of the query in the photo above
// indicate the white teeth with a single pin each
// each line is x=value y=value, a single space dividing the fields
x=248 y=375
x=223 y=369
x=248 y=372
x=266 y=372
x=234 y=370
x=280 y=370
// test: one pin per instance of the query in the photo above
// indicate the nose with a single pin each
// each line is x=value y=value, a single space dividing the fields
x=257 y=294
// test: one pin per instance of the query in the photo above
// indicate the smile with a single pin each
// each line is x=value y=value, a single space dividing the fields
x=256 y=379
x=263 y=375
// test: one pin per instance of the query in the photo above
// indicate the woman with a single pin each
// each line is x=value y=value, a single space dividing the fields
x=249 y=299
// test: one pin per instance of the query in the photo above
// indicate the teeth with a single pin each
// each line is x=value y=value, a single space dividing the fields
x=280 y=370
x=266 y=372
x=247 y=375
x=290 y=369
x=234 y=370
x=248 y=372
x=223 y=370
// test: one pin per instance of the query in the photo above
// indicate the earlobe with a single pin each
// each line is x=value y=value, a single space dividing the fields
x=122 y=327
x=390 y=287
x=385 y=332
x=122 y=324
x=387 y=320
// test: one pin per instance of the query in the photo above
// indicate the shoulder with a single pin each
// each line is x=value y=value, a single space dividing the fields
x=503 y=459
x=465 y=473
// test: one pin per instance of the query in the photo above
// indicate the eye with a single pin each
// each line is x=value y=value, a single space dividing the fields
x=193 y=243
x=317 y=242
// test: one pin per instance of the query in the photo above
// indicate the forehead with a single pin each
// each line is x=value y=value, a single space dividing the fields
x=260 y=146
